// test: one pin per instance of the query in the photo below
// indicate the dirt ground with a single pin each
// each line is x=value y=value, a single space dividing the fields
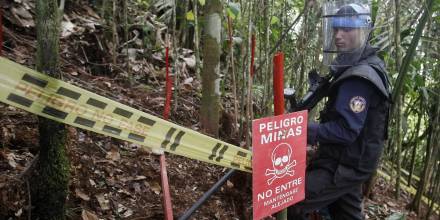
x=113 y=179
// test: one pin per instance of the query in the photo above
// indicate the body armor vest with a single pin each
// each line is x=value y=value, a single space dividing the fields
x=363 y=154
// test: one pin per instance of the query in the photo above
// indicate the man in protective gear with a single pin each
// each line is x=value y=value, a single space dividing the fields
x=353 y=123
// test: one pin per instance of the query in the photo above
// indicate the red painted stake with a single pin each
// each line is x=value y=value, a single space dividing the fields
x=278 y=100
x=169 y=85
x=1 y=31
x=168 y=207
x=253 y=44
x=278 y=83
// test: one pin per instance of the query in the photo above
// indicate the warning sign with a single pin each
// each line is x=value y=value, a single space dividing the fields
x=279 y=162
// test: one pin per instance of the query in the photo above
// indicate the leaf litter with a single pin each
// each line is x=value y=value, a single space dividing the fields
x=111 y=178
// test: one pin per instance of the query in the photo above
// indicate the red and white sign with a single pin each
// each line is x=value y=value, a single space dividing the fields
x=278 y=163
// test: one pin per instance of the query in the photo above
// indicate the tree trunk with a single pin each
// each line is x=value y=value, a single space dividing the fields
x=248 y=82
x=431 y=151
x=403 y=70
x=414 y=147
x=415 y=204
x=127 y=60
x=398 y=145
x=115 y=37
x=183 y=27
x=399 y=104
x=434 y=191
x=209 y=113
x=49 y=185
x=267 y=61
x=196 y=38
x=232 y=67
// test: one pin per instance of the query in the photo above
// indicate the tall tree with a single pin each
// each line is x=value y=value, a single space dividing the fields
x=49 y=185
x=398 y=121
x=430 y=154
x=410 y=52
x=209 y=116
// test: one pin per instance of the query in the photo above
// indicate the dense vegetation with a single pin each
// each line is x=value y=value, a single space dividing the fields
x=222 y=50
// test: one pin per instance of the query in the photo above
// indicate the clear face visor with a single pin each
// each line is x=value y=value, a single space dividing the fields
x=346 y=27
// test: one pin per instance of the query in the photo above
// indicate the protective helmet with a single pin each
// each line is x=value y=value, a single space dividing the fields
x=346 y=27
x=352 y=16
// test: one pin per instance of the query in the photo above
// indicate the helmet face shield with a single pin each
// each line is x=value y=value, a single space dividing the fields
x=346 y=27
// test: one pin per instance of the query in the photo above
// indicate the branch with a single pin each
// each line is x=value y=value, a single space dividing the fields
x=274 y=48
x=403 y=71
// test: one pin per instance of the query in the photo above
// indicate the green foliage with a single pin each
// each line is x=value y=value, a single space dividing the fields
x=258 y=93
x=189 y=16
x=405 y=33
x=274 y=20
x=375 y=6
x=275 y=34
x=396 y=216
x=164 y=6
x=233 y=10
x=425 y=94
x=147 y=28
x=143 y=3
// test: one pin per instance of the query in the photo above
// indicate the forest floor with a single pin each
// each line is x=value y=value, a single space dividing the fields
x=113 y=179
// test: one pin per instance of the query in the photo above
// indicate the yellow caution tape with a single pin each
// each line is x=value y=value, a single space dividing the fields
x=57 y=100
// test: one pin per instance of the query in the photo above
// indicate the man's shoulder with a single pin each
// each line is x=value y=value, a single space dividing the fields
x=367 y=74
x=362 y=70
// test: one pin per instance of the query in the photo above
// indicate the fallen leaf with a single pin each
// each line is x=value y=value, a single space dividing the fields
x=90 y=11
x=124 y=211
x=157 y=56
x=229 y=184
x=19 y=212
x=82 y=195
x=108 y=84
x=67 y=28
x=137 y=187
x=103 y=203
x=12 y=108
x=136 y=67
x=132 y=52
x=23 y=17
x=155 y=187
x=127 y=213
x=190 y=61
x=22 y=12
x=86 y=215
x=92 y=183
x=113 y=155
x=140 y=178
x=11 y=160
x=188 y=80
x=396 y=216
x=391 y=204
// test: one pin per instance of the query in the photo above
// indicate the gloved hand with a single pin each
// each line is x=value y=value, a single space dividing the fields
x=312 y=133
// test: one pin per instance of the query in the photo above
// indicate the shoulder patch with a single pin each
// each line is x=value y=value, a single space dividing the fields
x=357 y=104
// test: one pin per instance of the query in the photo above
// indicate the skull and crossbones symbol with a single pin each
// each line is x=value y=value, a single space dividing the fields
x=282 y=163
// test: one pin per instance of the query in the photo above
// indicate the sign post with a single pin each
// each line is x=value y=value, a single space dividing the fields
x=279 y=162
